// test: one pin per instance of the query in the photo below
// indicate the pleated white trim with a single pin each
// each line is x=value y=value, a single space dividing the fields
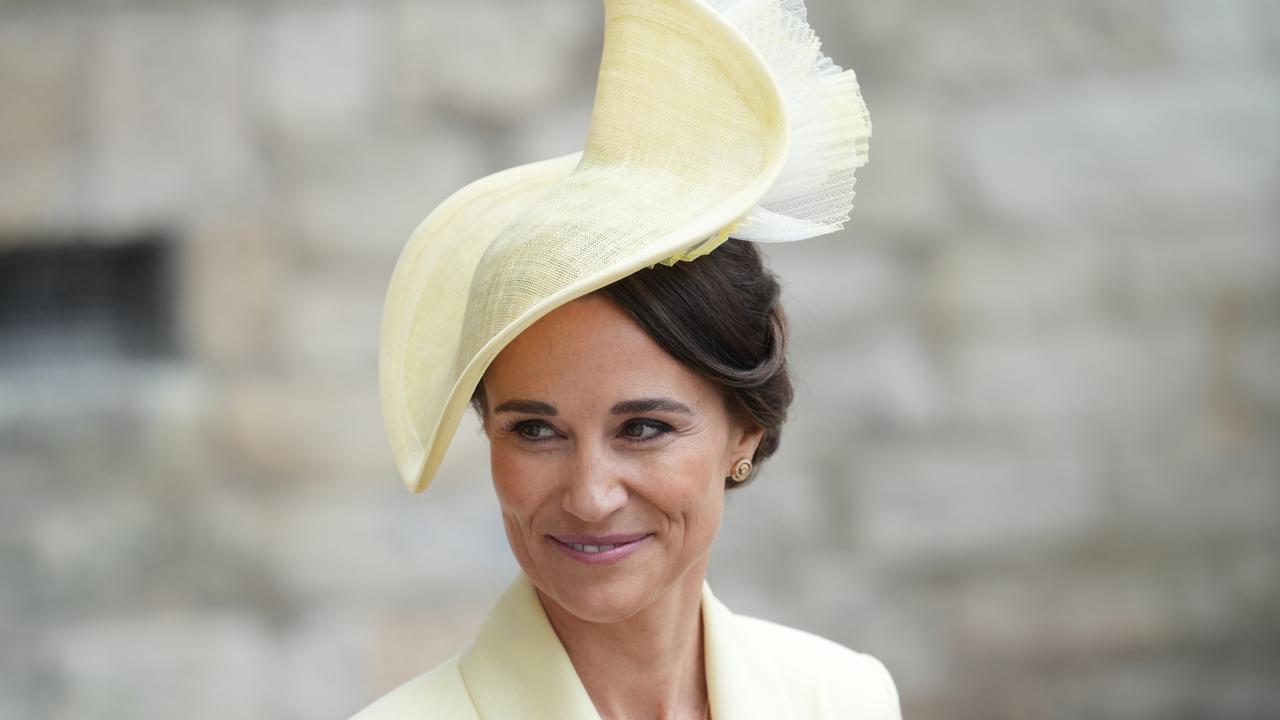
x=828 y=122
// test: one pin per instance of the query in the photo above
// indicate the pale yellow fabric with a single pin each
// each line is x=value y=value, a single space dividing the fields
x=709 y=116
x=516 y=669
x=686 y=134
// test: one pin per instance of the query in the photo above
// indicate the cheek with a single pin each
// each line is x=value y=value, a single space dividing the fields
x=516 y=481
x=689 y=483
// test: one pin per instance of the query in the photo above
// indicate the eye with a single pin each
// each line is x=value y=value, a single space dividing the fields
x=530 y=430
x=639 y=431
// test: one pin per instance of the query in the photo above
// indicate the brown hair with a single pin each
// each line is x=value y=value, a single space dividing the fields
x=719 y=315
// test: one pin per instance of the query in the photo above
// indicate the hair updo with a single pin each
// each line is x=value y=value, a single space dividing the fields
x=720 y=316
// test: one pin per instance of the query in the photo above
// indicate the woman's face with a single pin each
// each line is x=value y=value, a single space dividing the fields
x=598 y=437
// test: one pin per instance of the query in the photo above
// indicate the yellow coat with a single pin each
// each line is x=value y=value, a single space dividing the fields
x=517 y=669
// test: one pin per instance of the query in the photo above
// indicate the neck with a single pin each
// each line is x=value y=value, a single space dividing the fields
x=649 y=665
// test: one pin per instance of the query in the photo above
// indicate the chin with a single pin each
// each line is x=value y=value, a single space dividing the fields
x=608 y=599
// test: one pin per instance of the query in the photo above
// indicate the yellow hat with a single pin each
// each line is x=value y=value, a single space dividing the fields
x=711 y=118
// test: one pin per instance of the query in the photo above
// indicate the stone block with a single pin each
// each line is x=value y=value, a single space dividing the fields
x=42 y=57
x=168 y=128
x=357 y=205
x=379 y=546
x=1206 y=278
x=1112 y=156
x=92 y=552
x=1176 y=684
x=310 y=431
x=1228 y=34
x=1193 y=491
x=1060 y=613
x=972 y=500
x=326 y=655
x=990 y=47
x=231 y=273
x=328 y=323
x=163 y=665
x=1089 y=380
x=318 y=72
x=981 y=287
x=480 y=60
x=1254 y=365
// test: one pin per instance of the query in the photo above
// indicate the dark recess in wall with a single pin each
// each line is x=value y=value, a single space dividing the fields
x=85 y=298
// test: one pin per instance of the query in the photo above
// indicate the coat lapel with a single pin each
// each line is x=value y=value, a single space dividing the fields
x=516 y=667
x=741 y=681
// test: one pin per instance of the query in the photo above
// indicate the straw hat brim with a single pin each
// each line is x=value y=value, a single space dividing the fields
x=688 y=132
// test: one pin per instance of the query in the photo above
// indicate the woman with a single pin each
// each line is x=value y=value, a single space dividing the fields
x=628 y=362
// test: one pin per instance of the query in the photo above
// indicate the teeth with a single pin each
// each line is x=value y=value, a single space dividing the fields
x=591 y=548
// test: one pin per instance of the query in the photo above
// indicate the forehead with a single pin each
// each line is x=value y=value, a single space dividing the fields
x=591 y=349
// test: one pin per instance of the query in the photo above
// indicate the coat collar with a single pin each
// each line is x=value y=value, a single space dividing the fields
x=517 y=667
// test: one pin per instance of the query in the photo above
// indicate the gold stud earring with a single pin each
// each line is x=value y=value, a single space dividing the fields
x=741 y=470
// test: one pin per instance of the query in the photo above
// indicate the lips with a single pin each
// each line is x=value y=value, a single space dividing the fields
x=616 y=539
x=598 y=549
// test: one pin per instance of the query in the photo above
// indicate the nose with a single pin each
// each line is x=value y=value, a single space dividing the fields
x=593 y=484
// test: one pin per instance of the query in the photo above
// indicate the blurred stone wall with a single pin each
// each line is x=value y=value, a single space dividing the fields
x=1034 y=464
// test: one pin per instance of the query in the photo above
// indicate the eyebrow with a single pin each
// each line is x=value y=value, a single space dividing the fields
x=625 y=407
x=644 y=405
x=532 y=407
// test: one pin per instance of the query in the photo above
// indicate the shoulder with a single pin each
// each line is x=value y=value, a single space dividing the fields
x=824 y=674
x=440 y=690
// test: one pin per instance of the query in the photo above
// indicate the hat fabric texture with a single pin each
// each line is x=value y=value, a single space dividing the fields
x=711 y=118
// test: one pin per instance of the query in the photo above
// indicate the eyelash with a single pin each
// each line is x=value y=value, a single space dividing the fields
x=516 y=426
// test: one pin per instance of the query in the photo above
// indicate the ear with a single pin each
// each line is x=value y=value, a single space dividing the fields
x=745 y=439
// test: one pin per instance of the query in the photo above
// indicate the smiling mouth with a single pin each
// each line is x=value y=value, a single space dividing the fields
x=599 y=545
x=592 y=548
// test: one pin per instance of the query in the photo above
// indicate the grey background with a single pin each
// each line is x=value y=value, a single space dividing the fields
x=1034 y=464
